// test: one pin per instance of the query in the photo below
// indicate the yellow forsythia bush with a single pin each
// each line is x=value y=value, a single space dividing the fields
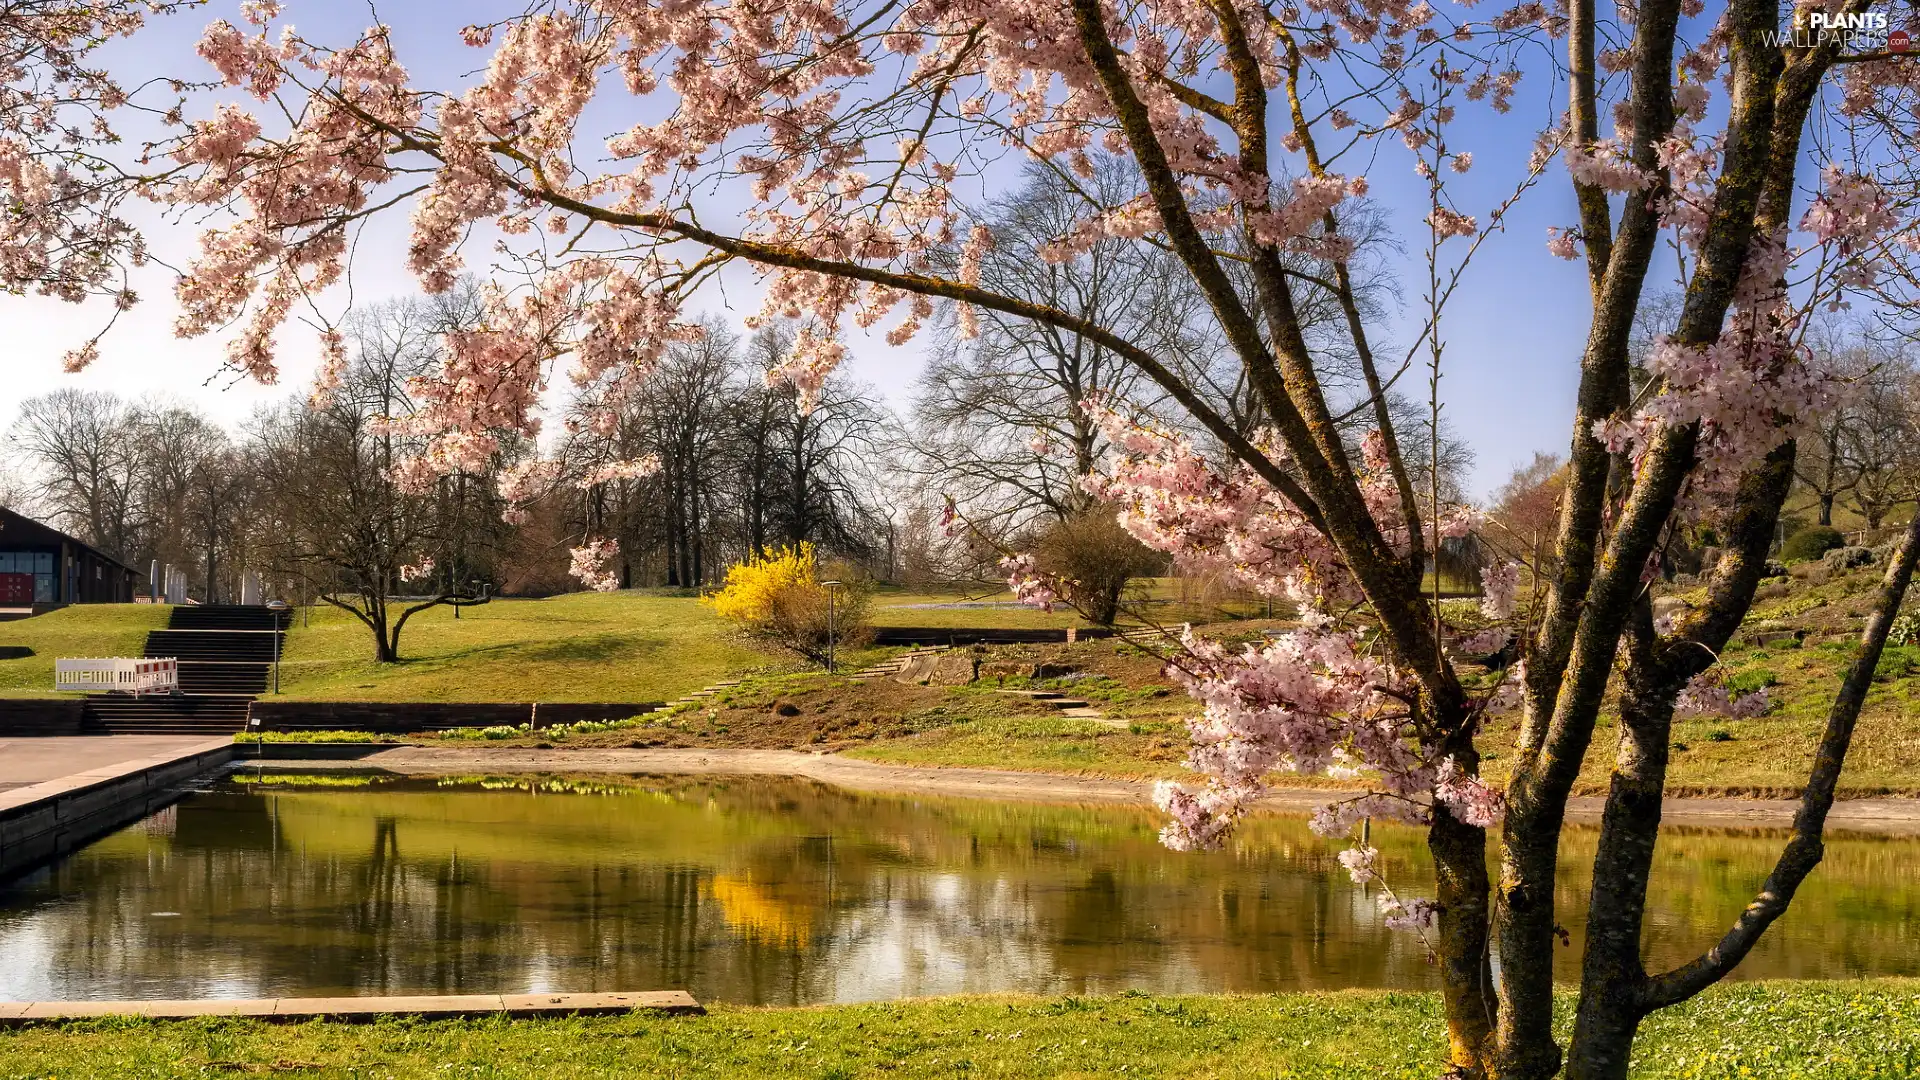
x=777 y=598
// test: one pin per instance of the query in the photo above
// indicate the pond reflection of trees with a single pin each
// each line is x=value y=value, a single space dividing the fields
x=757 y=890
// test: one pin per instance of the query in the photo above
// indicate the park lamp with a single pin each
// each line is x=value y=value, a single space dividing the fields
x=830 y=586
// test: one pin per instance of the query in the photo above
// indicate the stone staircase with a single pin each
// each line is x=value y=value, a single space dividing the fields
x=1073 y=708
x=1150 y=636
x=702 y=694
x=895 y=665
x=225 y=653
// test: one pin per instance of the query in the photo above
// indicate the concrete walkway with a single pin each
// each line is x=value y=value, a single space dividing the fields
x=99 y=785
x=358 y=1009
x=28 y=760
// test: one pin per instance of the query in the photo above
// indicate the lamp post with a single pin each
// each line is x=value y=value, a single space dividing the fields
x=278 y=608
x=830 y=586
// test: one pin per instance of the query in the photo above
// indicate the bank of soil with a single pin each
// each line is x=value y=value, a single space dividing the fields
x=1797 y=645
x=1139 y=734
x=1879 y=816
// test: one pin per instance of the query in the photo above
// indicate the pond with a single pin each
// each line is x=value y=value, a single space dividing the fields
x=770 y=891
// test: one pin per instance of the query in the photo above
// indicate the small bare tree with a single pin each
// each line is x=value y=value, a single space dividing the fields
x=345 y=526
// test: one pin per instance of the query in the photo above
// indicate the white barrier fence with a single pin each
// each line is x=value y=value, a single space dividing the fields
x=122 y=674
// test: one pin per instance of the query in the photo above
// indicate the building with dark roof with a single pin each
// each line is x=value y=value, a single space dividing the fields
x=42 y=566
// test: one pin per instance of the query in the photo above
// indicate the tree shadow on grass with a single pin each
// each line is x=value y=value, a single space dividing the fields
x=600 y=648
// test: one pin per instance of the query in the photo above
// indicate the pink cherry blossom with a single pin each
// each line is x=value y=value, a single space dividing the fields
x=596 y=564
x=1563 y=243
x=1706 y=694
x=1028 y=584
x=1500 y=586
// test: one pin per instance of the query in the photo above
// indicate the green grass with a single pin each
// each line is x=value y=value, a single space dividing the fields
x=84 y=630
x=627 y=646
x=624 y=646
x=639 y=645
x=894 y=607
x=250 y=737
x=1783 y=1031
x=1771 y=754
x=1052 y=744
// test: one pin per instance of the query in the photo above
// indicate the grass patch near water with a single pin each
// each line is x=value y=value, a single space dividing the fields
x=1783 y=1031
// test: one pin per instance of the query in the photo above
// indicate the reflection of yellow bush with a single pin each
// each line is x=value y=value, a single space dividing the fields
x=756 y=912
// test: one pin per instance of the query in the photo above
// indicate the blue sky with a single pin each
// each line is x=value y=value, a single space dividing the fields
x=1513 y=332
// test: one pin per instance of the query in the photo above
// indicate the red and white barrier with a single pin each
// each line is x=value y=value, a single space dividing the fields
x=118 y=674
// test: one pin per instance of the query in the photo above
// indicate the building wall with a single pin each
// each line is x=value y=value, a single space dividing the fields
x=40 y=562
x=69 y=574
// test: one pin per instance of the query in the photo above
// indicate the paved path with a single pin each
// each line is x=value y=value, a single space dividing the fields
x=28 y=760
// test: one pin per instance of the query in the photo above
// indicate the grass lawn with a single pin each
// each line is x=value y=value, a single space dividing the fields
x=972 y=726
x=624 y=646
x=627 y=646
x=657 y=645
x=885 y=720
x=1769 y=755
x=638 y=645
x=963 y=607
x=1782 y=1031
x=84 y=630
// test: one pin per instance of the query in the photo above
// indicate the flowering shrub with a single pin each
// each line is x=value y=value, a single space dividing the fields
x=1710 y=694
x=777 y=599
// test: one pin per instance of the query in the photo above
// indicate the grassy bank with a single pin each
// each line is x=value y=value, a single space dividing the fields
x=625 y=646
x=84 y=630
x=1783 y=1031
x=635 y=645
x=655 y=645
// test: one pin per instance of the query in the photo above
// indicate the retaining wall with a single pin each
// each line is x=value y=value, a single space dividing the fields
x=402 y=717
x=41 y=716
x=975 y=635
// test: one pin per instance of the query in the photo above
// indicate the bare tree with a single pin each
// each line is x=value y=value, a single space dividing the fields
x=1526 y=509
x=1878 y=445
x=999 y=420
x=84 y=447
x=188 y=476
x=742 y=468
x=344 y=528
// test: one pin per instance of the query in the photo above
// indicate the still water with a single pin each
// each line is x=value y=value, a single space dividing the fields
x=778 y=891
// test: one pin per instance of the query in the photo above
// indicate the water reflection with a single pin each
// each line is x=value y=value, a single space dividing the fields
x=774 y=891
